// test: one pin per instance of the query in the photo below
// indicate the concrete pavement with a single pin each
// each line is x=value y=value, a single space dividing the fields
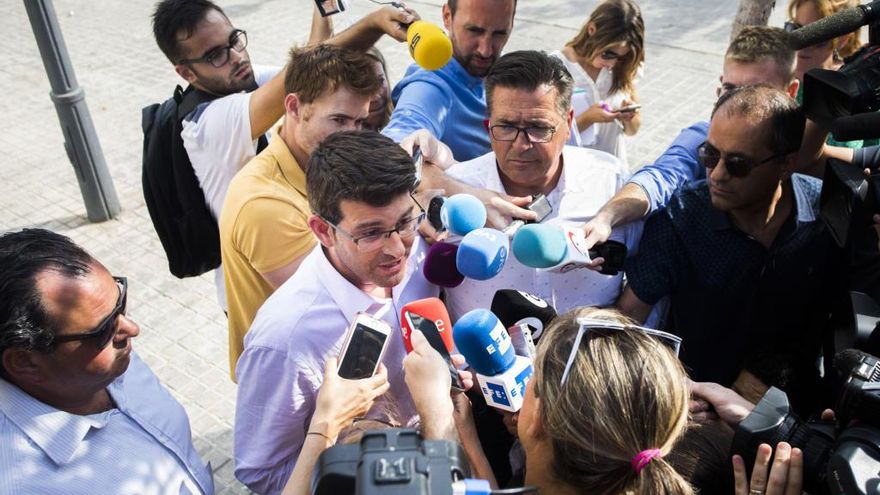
x=183 y=333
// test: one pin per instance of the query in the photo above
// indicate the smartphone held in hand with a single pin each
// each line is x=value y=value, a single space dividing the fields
x=365 y=344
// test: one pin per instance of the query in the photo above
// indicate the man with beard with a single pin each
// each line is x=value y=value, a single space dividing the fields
x=450 y=103
x=222 y=134
x=369 y=256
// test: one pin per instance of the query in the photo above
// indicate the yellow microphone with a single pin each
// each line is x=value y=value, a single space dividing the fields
x=428 y=45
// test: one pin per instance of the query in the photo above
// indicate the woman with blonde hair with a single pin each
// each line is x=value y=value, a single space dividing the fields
x=604 y=60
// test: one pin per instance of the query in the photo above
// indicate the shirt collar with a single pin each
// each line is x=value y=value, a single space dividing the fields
x=806 y=203
x=290 y=169
x=352 y=300
x=493 y=182
x=57 y=433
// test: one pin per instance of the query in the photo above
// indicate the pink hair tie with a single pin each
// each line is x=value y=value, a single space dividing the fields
x=643 y=458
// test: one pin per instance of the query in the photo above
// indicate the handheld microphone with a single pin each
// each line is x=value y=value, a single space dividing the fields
x=431 y=318
x=843 y=22
x=428 y=45
x=486 y=346
x=462 y=213
x=440 y=268
x=482 y=254
x=516 y=308
x=562 y=249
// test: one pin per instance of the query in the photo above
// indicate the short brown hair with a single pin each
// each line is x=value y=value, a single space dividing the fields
x=756 y=43
x=312 y=71
x=362 y=166
x=763 y=104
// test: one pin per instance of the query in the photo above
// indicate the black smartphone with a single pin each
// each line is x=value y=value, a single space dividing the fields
x=330 y=7
x=432 y=334
x=614 y=253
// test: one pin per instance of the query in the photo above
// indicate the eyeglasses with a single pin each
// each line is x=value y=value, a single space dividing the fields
x=610 y=55
x=535 y=134
x=791 y=26
x=737 y=165
x=604 y=327
x=104 y=332
x=219 y=56
x=375 y=239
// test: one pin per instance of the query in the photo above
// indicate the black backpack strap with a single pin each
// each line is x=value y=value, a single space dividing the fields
x=190 y=98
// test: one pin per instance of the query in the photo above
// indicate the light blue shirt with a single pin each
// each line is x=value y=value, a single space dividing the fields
x=297 y=329
x=677 y=166
x=449 y=102
x=144 y=446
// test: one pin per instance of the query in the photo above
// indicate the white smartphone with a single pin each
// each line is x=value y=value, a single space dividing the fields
x=364 y=346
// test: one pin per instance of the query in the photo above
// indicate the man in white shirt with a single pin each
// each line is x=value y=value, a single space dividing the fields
x=221 y=135
x=359 y=187
x=79 y=411
x=529 y=103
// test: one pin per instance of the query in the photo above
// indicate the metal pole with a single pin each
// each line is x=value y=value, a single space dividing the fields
x=80 y=141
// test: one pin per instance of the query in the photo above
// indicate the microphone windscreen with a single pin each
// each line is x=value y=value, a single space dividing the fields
x=513 y=307
x=855 y=127
x=440 y=267
x=482 y=253
x=484 y=342
x=462 y=213
x=847 y=360
x=539 y=246
x=428 y=45
x=838 y=24
x=431 y=318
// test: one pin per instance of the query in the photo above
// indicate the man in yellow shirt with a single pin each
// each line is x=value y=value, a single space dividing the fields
x=264 y=233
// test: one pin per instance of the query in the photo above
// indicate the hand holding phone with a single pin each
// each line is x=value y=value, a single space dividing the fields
x=627 y=108
x=364 y=346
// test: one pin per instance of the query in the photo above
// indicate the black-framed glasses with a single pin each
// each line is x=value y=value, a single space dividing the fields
x=604 y=327
x=610 y=55
x=375 y=239
x=218 y=57
x=737 y=165
x=534 y=134
x=104 y=332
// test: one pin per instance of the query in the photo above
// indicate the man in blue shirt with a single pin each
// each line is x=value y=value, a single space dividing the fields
x=450 y=103
x=79 y=411
x=758 y=55
x=751 y=272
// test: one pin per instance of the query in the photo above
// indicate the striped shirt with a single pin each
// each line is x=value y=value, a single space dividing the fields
x=144 y=446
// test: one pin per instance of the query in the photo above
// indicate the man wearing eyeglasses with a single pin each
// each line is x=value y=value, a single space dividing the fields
x=751 y=272
x=241 y=101
x=79 y=411
x=369 y=259
x=529 y=99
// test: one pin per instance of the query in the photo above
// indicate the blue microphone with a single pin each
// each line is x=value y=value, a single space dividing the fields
x=462 y=213
x=487 y=348
x=549 y=247
x=482 y=253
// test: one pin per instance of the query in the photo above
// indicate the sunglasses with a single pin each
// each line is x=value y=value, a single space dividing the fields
x=610 y=55
x=104 y=332
x=737 y=165
x=791 y=26
x=605 y=327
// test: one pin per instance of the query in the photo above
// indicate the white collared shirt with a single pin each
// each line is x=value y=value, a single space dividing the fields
x=296 y=330
x=143 y=446
x=588 y=180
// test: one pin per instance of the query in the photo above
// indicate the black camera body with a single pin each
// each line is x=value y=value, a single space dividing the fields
x=395 y=461
x=841 y=456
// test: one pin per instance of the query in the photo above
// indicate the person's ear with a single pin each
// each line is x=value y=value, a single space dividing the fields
x=793 y=88
x=447 y=17
x=21 y=366
x=186 y=73
x=292 y=106
x=718 y=89
x=591 y=29
x=322 y=230
x=535 y=428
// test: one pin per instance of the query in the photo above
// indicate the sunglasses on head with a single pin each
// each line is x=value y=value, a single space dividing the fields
x=606 y=327
x=104 y=332
x=737 y=165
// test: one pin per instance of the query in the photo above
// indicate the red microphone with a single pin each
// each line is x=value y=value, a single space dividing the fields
x=431 y=318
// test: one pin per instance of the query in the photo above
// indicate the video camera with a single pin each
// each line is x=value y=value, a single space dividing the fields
x=841 y=456
x=394 y=461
